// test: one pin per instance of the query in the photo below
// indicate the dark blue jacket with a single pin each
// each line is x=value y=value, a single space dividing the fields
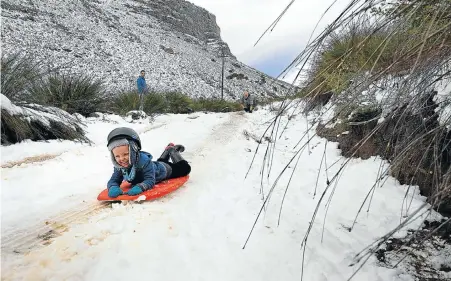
x=147 y=173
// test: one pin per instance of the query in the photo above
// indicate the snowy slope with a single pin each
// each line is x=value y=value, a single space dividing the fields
x=176 y=42
x=196 y=233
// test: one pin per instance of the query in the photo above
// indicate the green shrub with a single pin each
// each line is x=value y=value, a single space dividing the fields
x=18 y=73
x=125 y=102
x=215 y=105
x=416 y=33
x=78 y=93
x=349 y=53
x=418 y=13
x=155 y=103
x=172 y=102
x=178 y=102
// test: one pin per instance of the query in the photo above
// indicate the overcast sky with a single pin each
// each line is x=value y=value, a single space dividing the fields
x=242 y=22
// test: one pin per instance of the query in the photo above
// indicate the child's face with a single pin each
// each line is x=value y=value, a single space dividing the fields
x=121 y=155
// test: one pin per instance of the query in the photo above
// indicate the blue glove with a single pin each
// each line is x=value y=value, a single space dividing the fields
x=114 y=191
x=135 y=190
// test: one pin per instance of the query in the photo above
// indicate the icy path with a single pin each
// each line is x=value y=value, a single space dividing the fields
x=72 y=179
x=198 y=232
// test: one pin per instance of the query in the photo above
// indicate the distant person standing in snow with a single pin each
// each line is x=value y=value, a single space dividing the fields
x=248 y=102
x=142 y=88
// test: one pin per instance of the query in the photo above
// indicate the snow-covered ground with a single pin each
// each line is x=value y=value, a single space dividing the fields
x=197 y=232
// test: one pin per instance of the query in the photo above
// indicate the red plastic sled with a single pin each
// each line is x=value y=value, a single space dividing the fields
x=159 y=190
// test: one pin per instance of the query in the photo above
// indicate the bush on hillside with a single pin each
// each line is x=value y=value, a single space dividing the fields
x=215 y=105
x=25 y=80
x=125 y=102
x=411 y=37
x=349 y=52
x=178 y=103
x=153 y=103
x=82 y=94
x=416 y=12
x=18 y=74
x=394 y=63
x=404 y=56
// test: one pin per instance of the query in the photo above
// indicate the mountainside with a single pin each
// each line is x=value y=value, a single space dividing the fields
x=176 y=42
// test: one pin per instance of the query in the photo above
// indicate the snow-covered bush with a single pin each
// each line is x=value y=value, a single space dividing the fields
x=36 y=122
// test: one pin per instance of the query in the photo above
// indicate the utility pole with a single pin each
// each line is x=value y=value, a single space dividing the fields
x=222 y=76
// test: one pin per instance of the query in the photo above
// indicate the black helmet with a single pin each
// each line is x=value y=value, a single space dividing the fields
x=124 y=132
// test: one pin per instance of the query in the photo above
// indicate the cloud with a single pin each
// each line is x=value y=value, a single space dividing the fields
x=242 y=22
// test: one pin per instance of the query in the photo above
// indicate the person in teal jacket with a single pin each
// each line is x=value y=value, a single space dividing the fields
x=142 y=89
x=136 y=167
x=141 y=83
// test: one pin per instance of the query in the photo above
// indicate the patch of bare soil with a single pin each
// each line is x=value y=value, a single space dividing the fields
x=29 y=160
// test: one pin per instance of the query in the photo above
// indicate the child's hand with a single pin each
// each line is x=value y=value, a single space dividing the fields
x=114 y=191
x=135 y=190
